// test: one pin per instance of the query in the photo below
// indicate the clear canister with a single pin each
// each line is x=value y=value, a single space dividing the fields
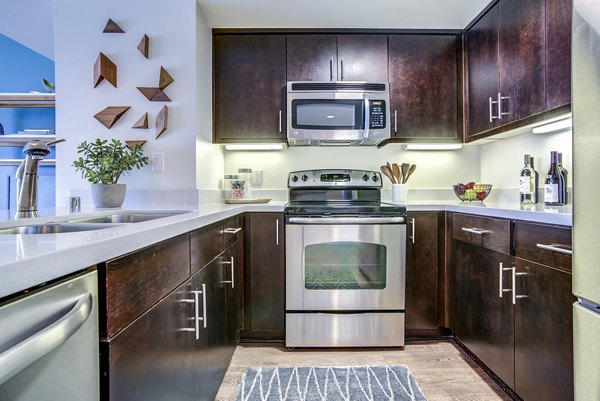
x=228 y=185
x=245 y=174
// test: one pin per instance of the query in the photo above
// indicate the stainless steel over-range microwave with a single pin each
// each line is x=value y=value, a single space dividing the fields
x=337 y=113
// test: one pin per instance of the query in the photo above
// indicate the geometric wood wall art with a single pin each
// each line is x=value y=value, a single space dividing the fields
x=144 y=45
x=131 y=144
x=142 y=122
x=112 y=27
x=161 y=121
x=154 y=94
x=105 y=69
x=165 y=79
x=110 y=115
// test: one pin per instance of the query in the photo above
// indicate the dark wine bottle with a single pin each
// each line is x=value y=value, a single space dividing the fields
x=527 y=185
x=554 y=183
x=564 y=172
x=536 y=180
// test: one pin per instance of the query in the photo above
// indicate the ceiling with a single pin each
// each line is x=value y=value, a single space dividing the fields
x=401 y=14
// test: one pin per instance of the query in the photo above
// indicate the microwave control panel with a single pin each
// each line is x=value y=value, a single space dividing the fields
x=377 y=114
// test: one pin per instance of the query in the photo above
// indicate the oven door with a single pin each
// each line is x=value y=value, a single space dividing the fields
x=345 y=264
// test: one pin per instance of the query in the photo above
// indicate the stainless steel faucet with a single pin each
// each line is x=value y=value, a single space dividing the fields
x=27 y=177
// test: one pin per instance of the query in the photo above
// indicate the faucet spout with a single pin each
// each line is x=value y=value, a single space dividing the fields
x=27 y=177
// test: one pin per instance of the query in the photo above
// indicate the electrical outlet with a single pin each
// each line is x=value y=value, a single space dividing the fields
x=157 y=161
x=257 y=177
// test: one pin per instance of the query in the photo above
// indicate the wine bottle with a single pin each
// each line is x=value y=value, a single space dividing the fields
x=527 y=182
x=564 y=173
x=536 y=180
x=554 y=183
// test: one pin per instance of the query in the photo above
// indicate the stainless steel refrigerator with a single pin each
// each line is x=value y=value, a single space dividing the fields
x=586 y=199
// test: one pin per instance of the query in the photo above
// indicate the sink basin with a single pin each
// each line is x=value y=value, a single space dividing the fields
x=132 y=217
x=54 y=228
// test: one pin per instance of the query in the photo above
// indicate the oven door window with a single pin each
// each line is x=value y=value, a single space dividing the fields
x=327 y=114
x=345 y=266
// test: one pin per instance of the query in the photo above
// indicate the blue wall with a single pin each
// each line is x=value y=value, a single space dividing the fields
x=22 y=70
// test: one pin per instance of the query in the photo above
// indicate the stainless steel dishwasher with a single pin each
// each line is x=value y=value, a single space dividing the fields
x=49 y=343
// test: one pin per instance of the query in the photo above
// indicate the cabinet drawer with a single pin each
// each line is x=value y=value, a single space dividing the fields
x=232 y=230
x=545 y=244
x=206 y=244
x=133 y=283
x=487 y=232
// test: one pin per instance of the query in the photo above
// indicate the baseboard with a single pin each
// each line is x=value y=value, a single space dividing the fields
x=262 y=336
x=441 y=333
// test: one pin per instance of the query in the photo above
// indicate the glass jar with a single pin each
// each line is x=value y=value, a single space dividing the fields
x=245 y=175
x=228 y=185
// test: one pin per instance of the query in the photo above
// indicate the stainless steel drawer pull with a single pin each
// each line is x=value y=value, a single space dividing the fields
x=231 y=264
x=346 y=220
x=232 y=230
x=501 y=270
x=277 y=232
x=555 y=248
x=27 y=352
x=477 y=231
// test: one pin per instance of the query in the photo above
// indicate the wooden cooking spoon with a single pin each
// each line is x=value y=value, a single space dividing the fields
x=411 y=170
x=388 y=173
x=404 y=167
x=396 y=171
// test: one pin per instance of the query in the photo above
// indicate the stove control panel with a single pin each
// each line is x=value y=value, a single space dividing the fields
x=334 y=178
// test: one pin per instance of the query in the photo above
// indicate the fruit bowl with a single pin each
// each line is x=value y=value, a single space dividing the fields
x=472 y=191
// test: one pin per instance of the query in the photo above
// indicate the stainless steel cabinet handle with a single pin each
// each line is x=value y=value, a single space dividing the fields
x=501 y=270
x=33 y=348
x=555 y=248
x=500 y=112
x=514 y=285
x=277 y=232
x=396 y=121
x=280 y=127
x=412 y=236
x=232 y=230
x=231 y=264
x=477 y=231
x=331 y=69
x=198 y=318
x=341 y=70
x=492 y=116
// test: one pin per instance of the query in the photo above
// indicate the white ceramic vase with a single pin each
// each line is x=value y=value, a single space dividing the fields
x=108 y=195
x=399 y=193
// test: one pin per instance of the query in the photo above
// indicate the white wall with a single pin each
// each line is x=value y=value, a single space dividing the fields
x=174 y=32
x=435 y=169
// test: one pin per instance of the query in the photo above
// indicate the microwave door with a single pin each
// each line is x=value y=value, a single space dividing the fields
x=327 y=114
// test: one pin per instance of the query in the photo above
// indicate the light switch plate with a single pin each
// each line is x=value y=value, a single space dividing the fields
x=257 y=177
x=157 y=161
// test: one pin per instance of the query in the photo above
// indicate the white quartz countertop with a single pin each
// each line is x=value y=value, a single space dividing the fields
x=30 y=260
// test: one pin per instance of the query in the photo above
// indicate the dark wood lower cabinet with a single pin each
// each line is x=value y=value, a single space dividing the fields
x=543 y=333
x=483 y=321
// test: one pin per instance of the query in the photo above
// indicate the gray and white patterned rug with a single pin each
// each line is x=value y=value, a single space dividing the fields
x=348 y=383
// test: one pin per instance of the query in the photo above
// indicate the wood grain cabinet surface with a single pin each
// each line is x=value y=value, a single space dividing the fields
x=424 y=87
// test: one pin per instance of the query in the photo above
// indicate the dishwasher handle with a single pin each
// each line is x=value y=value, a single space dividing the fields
x=30 y=350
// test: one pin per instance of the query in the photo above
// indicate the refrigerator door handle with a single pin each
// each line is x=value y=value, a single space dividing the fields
x=555 y=248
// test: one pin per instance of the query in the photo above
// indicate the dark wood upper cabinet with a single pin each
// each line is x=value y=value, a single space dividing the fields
x=362 y=58
x=558 y=52
x=423 y=75
x=311 y=57
x=521 y=53
x=330 y=57
x=249 y=88
x=482 y=75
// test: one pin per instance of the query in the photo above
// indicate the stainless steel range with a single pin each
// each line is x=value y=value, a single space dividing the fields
x=345 y=261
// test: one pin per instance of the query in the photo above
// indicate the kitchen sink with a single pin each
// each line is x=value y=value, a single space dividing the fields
x=54 y=228
x=131 y=217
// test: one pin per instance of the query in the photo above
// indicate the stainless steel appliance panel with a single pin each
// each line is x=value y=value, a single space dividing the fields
x=586 y=329
x=49 y=344
x=344 y=330
x=377 y=293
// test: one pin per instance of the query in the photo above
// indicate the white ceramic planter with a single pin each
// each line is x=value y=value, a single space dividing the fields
x=108 y=195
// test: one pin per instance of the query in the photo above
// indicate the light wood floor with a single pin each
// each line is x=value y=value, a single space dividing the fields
x=442 y=370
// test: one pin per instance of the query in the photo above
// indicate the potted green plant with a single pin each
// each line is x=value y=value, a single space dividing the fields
x=102 y=163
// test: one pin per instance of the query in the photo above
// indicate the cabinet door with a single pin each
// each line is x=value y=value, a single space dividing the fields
x=543 y=333
x=249 y=88
x=558 y=52
x=311 y=58
x=422 y=271
x=483 y=320
x=481 y=45
x=521 y=38
x=264 y=282
x=423 y=86
x=362 y=58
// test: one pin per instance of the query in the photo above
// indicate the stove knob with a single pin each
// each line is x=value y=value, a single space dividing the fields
x=294 y=178
x=304 y=177
x=375 y=178
x=365 y=177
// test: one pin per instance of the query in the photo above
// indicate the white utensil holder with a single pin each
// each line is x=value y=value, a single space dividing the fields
x=399 y=193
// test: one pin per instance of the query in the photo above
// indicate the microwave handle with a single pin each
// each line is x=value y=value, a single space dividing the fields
x=367 y=118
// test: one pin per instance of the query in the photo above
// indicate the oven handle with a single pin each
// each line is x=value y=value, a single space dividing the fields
x=346 y=220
